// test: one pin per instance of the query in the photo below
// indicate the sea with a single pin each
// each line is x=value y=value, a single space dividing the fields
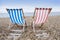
x=5 y=15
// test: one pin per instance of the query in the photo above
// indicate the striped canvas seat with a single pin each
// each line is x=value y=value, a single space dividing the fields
x=40 y=16
x=16 y=16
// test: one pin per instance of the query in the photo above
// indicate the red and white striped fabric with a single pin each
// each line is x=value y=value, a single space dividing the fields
x=41 y=14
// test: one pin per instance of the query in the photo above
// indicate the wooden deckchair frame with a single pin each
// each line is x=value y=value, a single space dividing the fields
x=34 y=18
x=24 y=25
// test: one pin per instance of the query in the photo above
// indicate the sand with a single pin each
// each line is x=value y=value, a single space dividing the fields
x=52 y=27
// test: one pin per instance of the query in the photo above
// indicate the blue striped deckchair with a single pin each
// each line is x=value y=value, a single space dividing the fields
x=17 y=17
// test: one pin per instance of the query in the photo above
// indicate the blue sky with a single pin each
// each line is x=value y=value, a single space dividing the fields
x=29 y=5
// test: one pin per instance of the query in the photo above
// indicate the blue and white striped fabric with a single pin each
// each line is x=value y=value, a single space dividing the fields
x=16 y=16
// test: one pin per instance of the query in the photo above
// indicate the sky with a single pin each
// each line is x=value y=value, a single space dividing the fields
x=29 y=5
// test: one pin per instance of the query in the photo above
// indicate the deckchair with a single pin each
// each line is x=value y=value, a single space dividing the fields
x=17 y=18
x=40 y=16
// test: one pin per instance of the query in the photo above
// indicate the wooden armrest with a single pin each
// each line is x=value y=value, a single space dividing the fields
x=24 y=16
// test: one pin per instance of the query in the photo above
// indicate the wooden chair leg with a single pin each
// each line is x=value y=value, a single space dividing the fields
x=23 y=27
x=33 y=27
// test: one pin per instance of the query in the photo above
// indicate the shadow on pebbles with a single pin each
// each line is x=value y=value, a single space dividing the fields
x=53 y=34
x=30 y=35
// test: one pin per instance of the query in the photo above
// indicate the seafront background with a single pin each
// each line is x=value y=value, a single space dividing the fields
x=5 y=15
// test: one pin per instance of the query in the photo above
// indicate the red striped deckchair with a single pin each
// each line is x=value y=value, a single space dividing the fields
x=40 y=16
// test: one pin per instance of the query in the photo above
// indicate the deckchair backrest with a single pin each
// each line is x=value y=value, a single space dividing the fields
x=41 y=15
x=16 y=15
